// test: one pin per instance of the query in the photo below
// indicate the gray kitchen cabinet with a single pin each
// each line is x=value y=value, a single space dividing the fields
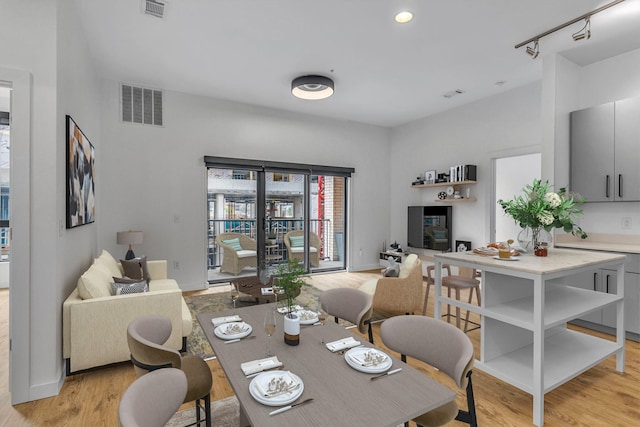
x=605 y=152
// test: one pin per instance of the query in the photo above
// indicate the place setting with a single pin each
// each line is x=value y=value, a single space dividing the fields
x=232 y=331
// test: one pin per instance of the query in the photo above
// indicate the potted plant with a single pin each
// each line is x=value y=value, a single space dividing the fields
x=289 y=279
x=541 y=209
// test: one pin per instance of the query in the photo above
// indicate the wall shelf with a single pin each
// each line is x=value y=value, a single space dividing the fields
x=470 y=199
x=444 y=184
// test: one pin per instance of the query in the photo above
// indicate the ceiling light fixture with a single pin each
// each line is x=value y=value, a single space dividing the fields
x=403 y=17
x=312 y=87
x=585 y=32
x=576 y=36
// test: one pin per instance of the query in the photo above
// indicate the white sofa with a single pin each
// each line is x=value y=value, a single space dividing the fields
x=95 y=322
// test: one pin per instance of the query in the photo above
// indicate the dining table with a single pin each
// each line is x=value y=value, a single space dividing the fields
x=342 y=395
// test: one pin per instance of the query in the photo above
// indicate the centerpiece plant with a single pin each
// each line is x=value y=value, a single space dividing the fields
x=539 y=209
x=289 y=278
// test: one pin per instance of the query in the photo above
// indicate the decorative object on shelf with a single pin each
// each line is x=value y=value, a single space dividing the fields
x=468 y=193
x=541 y=210
x=442 y=195
x=463 y=245
x=430 y=177
x=443 y=177
x=450 y=191
x=418 y=181
x=290 y=280
x=129 y=238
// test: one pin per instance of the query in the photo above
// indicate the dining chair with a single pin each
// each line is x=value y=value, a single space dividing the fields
x=146 y=336
x=465 y=279
x=349 y=304
x=151 y=400
x=442 y=346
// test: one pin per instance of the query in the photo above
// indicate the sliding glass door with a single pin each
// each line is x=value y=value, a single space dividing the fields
x=272 y=213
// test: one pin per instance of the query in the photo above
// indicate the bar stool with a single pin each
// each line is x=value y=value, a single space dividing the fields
x=465 y=280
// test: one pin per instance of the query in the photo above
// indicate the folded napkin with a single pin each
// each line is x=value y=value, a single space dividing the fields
x=260 y=365
x=276 y=386
x=217 y=321
x=342 y=344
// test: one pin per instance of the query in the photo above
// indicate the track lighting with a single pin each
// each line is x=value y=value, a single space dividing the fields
x=585 y=32
x=534 y=51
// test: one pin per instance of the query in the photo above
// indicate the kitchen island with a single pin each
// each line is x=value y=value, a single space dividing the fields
x=526 y=304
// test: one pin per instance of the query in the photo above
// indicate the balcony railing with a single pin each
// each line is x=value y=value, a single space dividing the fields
x=248 y=227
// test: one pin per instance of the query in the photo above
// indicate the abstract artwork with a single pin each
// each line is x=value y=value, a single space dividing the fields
x=80 y=177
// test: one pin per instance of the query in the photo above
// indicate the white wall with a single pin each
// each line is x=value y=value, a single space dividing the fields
x=150 y=175
x=471 y=134
x=605 y=81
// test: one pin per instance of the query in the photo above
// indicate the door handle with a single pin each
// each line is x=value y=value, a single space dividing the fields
x=607 y=187
x=608 y=282
x=620 y=185
x=595 y=281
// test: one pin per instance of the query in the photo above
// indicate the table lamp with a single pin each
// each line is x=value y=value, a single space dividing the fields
x=129 y=238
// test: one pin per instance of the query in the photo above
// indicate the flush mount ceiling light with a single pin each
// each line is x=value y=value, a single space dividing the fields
x=403 y=17
x=312 y=87
x=584 y=33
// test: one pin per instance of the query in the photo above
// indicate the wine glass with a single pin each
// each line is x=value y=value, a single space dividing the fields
x=269 y=328
x=235 y=294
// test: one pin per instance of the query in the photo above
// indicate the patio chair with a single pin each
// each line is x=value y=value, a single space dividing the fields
x=438 y=238
x=294 y=241
x=240 y=251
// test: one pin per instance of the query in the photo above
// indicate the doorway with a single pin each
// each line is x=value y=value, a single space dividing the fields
x=510 y=175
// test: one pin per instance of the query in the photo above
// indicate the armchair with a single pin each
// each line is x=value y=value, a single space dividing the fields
x=295 y=246
x=402 y=294
x=239 y=252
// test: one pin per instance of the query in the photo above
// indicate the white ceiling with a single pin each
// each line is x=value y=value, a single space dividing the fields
x=385 y=73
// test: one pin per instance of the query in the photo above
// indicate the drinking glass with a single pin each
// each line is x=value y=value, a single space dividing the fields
x=269 y=328
x=234 y=297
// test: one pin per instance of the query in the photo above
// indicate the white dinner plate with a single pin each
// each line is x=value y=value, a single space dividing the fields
x=506 y=259
x=355 y=358
x=307 y=317
x=221 y=330
x=280 y=400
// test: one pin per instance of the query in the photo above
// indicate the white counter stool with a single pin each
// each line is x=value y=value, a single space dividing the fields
x=466 y=279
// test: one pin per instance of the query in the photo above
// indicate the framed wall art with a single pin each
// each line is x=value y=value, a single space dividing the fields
x=429 y=177
x=80 y=177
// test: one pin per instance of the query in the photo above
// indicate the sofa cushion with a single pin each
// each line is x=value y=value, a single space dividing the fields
x=234 y=243
x=125 y=280
x=94 y=283
x=296 y=241
x=136 y=268
x=301 y=250
x=129 y=288
x=110 y=262
x=244 y=254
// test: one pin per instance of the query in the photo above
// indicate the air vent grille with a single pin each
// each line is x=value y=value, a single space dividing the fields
x=154 y=8
x=141 y=105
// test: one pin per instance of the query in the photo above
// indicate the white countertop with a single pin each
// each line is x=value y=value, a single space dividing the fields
x=558 y=260
x=623 y=243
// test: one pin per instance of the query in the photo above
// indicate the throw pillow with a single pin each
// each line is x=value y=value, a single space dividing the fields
x=94 y=283
x=110 y=262
x=439 y=234
x=129 y=288
x=136 y=268
x=234 y=243
x=296 y=241
x=126 y=280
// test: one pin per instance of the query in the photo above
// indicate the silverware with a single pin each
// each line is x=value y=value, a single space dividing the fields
x=286 y=408
x=239 y=339
x=386 y=373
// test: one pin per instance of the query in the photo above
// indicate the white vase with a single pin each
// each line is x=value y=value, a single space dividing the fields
x=291 y=329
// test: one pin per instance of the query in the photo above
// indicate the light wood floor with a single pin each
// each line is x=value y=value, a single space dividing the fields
x=601 y=397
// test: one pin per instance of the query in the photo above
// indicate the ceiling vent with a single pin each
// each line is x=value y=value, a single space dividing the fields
x=453 y=93
x=154 y=8
x=141 y=105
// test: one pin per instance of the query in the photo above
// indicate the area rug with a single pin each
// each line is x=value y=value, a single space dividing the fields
x=197 y=343
x=224 y=413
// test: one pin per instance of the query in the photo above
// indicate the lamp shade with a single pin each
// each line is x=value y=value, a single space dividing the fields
x=129 y=237
x=312 y=87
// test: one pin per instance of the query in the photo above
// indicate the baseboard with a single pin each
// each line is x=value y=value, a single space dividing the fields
x=42 y=391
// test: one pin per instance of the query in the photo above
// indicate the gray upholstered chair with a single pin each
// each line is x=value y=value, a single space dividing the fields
x=398 y=295
x=465 y=279
x=349 y=304
x=437 y=238
x=151 y=400
x=238 y=254
x=442 y=346
x=146 y=336
x=295 y=249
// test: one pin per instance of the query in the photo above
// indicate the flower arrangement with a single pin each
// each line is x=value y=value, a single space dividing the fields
x=289 y=278
x=541 y=208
